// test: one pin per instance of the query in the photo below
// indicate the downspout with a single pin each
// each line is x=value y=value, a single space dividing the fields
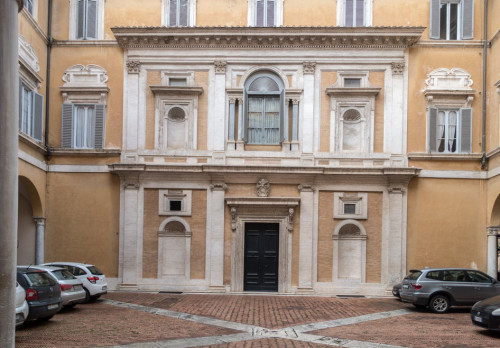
x=485 y=59
x=47 y=85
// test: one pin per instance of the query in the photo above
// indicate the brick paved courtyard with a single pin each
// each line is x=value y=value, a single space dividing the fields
x=198 y=320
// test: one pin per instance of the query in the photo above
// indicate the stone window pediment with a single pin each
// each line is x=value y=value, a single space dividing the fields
x=85 y=84
x=29 y=67
x=449 y=88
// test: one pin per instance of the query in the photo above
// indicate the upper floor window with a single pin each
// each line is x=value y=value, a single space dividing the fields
x=86 y=20
x=354 y=13
x=179 y=13
x=28 y=4
x=83 y=126
x=450 y=130
x=30 y=112
x=264 y=103
x=452 y=19
x=265 y=13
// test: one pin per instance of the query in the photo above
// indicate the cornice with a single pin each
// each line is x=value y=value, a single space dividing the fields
x=260 y=37
x=417 y=156
x=353 y=91
x=85 y=152
x=185 y=90
x=450 y=43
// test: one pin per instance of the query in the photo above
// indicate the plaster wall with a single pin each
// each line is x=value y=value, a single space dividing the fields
x=446 y=217
x=83 y=220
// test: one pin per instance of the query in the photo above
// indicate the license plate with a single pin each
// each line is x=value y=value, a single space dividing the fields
x=104 y=288
x=406 y=286
x=478 y=319
x=52 y=306
x=77 y=287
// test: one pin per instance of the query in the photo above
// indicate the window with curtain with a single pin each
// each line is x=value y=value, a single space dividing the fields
x=264 y=97
x=354 y=13
x=452 y=19
x=178 y=13
x=87 y=20
x=450 y=131
x=30 y=112
x=265 y=13
x=83 y=126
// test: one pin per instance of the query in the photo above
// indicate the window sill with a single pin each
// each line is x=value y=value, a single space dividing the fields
x=419 y=156
x=85 y=152
x=32 y=142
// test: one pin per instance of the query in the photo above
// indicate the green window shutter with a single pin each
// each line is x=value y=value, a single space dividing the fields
x=67 y=126
x=432 y=143
x=99 y=126
x=467 y=19
x=434 y=23
x=466 y=130
x=38 y=116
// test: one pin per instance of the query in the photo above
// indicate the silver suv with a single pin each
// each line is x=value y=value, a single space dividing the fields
x=441 y=288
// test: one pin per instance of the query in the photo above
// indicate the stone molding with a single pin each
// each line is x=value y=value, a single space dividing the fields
x=306 y=188
x=220 y=67
x=309 y=67
x=398 y=68
x=218 y=187
x=261 y=37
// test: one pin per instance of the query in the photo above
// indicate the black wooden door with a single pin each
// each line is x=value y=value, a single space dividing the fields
x=261 y=257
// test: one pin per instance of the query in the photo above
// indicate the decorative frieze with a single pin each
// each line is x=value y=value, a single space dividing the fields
x=133 y=66
x=259 y=37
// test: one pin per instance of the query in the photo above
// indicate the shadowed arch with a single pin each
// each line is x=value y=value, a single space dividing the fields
x=34 y=197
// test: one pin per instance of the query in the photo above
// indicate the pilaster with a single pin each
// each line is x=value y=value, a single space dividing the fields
x=216 y=236
x=131 y=113
x=397 y=111
x=307 y=118
x=306 y=253
x=396 y=238
x=218 y=130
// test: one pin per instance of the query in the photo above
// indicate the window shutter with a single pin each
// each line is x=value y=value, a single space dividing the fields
x=184 y=13
x=434 y=30
x=91 y=19
x=283 y=114
x=432 y=143
x=38 y=116
x=259 y=13
x=99 y=126
x=20 y=104
x=468 y=19
x=80 y=28
x=466 y=130
x=67 y=126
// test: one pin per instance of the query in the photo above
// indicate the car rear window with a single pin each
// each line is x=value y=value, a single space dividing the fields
x=94 y=270
x=41 y=279
x=63 y=275
x=436 y=275
x=413 y=275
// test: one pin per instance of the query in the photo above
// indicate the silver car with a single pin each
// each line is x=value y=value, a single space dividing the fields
x=72 y=291
x=441 y=288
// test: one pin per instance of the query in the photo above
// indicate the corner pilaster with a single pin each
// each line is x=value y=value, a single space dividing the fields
x=306 y=252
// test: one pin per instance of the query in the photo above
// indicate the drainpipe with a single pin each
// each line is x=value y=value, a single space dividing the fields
x=47 y=91
x=485 y=59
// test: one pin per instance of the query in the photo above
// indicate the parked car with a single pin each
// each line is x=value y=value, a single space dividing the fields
x=441 y=288
x=94 y=281
x=486 y=313
x=72 y=291
x=43 y=292
x=22 y=308
x=396 y=290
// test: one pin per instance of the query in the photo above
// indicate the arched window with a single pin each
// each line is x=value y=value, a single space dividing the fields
x=264 y=105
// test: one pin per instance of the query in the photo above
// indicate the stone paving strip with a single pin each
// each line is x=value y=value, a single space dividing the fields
x=251 y=332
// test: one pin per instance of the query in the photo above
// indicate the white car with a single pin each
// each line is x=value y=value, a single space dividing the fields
x=94 y=281
x=22 y=308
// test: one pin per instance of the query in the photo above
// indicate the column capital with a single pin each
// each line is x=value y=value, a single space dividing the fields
x=133 y=66
x=398 y=68
x=396 y=190
x=220 y=67
x=309 y=67
x=39 y=220
x=306 y=188
x=493 y=230
x=218 y=187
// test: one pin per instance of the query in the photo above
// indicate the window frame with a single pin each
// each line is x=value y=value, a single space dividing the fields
x=74 y=18
x=367 y=15
x=266 y=95
x=191 y=15
x=465 y=20
x=30 y=111
x=252 y=13
x=69 y=128
x=463 y=141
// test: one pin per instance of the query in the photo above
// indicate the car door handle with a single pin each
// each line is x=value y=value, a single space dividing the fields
x=479 y=289
x=448 y=287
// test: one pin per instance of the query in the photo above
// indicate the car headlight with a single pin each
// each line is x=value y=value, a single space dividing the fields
x=496 y=312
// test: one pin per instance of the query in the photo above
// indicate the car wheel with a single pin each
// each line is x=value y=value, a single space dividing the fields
x=439 y=304
x=45 y=318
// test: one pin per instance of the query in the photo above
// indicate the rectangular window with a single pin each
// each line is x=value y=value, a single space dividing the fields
x=30 y=112
x=452 y=19
x=450 y=130
x=28 y=4
x=178 y=13
x=87 y=20
x=352 y=82
x=265 y=13
x=83 y=126
x=354 y=13
x=264 y=120
x=177 y=82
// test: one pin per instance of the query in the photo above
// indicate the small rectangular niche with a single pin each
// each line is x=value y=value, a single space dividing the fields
x=175 y=202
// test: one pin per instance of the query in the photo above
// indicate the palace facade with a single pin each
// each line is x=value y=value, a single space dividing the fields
x=260 y=145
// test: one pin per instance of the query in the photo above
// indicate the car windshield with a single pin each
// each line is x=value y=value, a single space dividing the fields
x=413 y=275
x=63 y=275
x=41 y=279
x=94 y=270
